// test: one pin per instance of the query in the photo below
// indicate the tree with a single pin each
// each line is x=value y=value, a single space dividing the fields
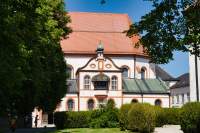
x=32 y=66
x=170 y=26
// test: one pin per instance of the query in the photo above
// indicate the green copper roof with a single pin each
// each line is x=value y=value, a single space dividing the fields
x=147 y=86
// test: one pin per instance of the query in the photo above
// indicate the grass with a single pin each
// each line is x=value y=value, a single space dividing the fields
x=90 y=130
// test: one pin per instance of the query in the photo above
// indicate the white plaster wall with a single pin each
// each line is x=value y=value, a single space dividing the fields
x=152 y=98
x=91 y=74
x=193 y=95
x=125 y=61
x=80 y=61
x=127 y=98
x=76 y=62
x=178 y=92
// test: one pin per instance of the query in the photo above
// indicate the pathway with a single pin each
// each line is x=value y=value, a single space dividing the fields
x=168 y=129
x=32 y=130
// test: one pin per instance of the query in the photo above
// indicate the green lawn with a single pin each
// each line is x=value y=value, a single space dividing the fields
x=89 y=130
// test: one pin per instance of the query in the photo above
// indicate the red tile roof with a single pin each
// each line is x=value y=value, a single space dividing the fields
x=90 y=28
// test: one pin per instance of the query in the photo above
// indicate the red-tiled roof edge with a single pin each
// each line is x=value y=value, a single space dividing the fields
x=111 y=52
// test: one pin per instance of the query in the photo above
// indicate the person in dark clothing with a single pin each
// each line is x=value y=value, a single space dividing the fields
x=36 y=120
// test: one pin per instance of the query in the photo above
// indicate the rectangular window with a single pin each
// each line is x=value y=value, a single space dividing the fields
x=87 y=83
x=177 y=99
x=183 y=100
x=172 y=99
x=114 y=83
x=188 y=97
x=101 y=85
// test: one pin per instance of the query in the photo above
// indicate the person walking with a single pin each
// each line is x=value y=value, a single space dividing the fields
x=36 y=120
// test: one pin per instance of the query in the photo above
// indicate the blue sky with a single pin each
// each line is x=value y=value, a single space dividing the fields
x=135 y=9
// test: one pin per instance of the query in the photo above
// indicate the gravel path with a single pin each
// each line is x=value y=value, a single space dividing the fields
x=168 y=129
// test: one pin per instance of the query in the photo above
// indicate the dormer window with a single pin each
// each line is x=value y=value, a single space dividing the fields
x=143 y=73
x=124 y=72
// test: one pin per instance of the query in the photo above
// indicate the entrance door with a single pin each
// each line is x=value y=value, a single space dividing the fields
x=50 y=118
x=102 y=102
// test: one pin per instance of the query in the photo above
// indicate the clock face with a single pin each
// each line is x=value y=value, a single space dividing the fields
x=108 y=66
x=92 y=65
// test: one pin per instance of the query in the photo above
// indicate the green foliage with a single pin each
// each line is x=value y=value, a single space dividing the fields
x=105 y=117
x=79 y=119
x=32 y=67
x=190 y=117
x=100 y=118
x=170 y=26
x=123 y=116
x=141 y=117
x=60 y=119
x=70 y=119
x=166 y=116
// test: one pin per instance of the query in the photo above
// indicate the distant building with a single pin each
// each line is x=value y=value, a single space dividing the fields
x=165 y=76
x=193 y=87
x=180 y=92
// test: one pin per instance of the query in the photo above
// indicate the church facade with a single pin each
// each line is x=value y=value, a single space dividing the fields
x=103 y=63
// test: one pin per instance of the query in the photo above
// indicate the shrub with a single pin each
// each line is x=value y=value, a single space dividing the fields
x=141 y=117
x=79 y=119
x=110 y=104
x=123 y=116
x=167 y=116
x=105 y=117
x=190 y=117
x=60 y=119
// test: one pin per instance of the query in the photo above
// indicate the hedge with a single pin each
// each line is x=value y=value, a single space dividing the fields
x=100 y=118
x=190 y=117
x=105 y=117
x=123 y=116
x=167 y=116
x=79 y=119
x=60 y=119
x=141 y=117
x=135 y=117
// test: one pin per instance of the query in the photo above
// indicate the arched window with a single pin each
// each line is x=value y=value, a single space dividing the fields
x=158 y=102
x=87 y=82
x=90 y=104
x=134 y=101
x=143 y=72
x=124 y=72
x=70 y=104
x=114 y=83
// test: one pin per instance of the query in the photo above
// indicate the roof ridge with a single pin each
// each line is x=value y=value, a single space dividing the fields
x=105 y=13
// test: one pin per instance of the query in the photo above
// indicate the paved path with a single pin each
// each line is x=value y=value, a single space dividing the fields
x=32 y=130
x=168 y=129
